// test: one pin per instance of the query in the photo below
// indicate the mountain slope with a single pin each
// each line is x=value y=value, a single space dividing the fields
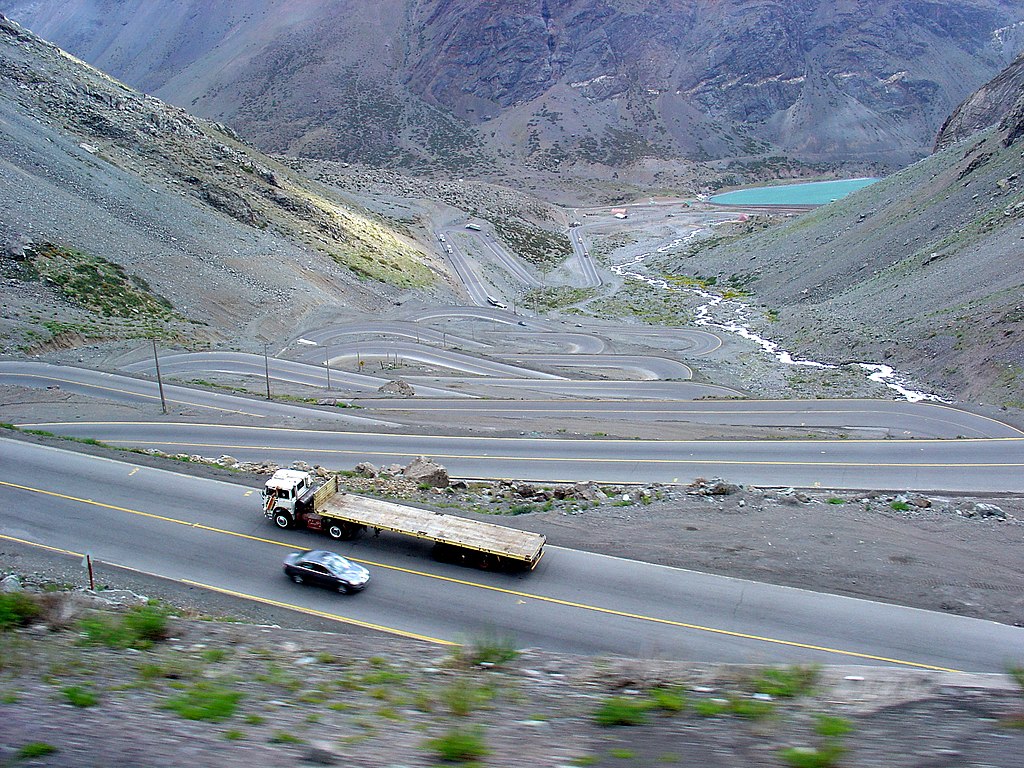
x=167 y=214
x=460 y=84
x=986 y=106
x=922 y=270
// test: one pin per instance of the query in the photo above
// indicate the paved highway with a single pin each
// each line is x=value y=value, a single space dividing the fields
x=936 y=465
x=213 y=534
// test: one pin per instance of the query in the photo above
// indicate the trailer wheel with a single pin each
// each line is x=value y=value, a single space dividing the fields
x=281 y=520
x=341 y=530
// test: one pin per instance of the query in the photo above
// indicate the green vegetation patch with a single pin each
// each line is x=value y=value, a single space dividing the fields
x=787 y=682
x=620 y=710
x=16 y=610
x=139 y=628
x=459 y=745
x=97 y=284
x=205 y=700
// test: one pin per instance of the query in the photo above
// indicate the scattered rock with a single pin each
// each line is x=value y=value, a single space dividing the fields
x=11 y=584
x=321 y=753
x=714 y=487
x=365 y=469
x=397 y=387
x=987 y=510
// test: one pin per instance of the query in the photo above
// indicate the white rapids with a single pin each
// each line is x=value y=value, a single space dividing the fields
x=709 y=314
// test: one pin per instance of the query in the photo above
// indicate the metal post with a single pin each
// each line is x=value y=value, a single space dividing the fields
x=266 y=369
x=327 y=363
x=159 y=381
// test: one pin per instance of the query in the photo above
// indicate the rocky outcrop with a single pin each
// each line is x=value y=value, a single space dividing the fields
x=999 y=101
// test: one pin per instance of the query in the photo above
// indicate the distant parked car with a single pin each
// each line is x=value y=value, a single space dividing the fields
x=326 y=569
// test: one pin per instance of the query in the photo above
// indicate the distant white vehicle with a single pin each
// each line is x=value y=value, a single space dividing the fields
x=474 y=227
x=441 y=237
x=495 y=303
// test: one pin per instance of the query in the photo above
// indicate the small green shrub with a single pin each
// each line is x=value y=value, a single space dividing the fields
x=80 y=697
x=900 y=506
x=619 y=710
x=488 y=649
x=283 y=737
x=668 y=699
x=807 y=757
x=147 y=622
x=621 y=753
x=234 y=734
x=832 y=727
x=213 y=655
x=711 y=707
x=138 y=628
x=460 y=745
x=835 y=500
x=462 y=697
x=751 y=709
x=35 y=749
x=205 y=701
x=786 y=682
x=16 y=610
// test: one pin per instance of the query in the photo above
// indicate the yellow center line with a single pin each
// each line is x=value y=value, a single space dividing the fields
x=487 y=587
x=513 y=440
x=587 y=459
x=254 y=598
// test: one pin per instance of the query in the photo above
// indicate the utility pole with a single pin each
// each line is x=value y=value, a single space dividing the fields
x=159 y=381
x=266 y=368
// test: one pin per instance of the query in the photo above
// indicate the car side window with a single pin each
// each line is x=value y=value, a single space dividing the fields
x=317 y=567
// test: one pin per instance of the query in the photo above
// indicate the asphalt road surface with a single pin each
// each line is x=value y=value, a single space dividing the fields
x=926 y=465
x=213 y=534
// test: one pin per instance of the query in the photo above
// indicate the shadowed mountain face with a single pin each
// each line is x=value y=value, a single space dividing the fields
x=554 y=83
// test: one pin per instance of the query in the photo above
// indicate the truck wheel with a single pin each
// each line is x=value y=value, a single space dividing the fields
x=341 y=530
x=281 y=520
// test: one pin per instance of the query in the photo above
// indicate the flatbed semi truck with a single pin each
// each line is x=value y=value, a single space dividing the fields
x=293 y=499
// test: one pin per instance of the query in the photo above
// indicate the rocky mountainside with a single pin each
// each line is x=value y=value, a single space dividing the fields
x=124 y=216
x=991 y=103
x=922 y=270
x=555 y=84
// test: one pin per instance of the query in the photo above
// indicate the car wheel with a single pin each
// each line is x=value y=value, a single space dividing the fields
x=343 y=588
x=281 y=520
x=296 y=578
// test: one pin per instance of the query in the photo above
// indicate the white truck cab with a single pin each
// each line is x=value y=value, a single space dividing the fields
x=283 y=488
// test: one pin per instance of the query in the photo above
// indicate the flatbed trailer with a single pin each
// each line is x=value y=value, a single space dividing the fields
x=292 y=499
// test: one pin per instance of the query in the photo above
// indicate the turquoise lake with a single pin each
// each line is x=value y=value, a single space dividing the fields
x=808 y=193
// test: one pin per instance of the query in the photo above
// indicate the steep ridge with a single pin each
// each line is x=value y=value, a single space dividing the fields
x=922 y=270
x=125 y=216
x=985 y=107
x=471 y=86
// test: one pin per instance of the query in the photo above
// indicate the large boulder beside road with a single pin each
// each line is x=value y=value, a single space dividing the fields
x=424 y=471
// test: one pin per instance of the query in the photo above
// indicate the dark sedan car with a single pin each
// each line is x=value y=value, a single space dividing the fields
x=326 y=569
